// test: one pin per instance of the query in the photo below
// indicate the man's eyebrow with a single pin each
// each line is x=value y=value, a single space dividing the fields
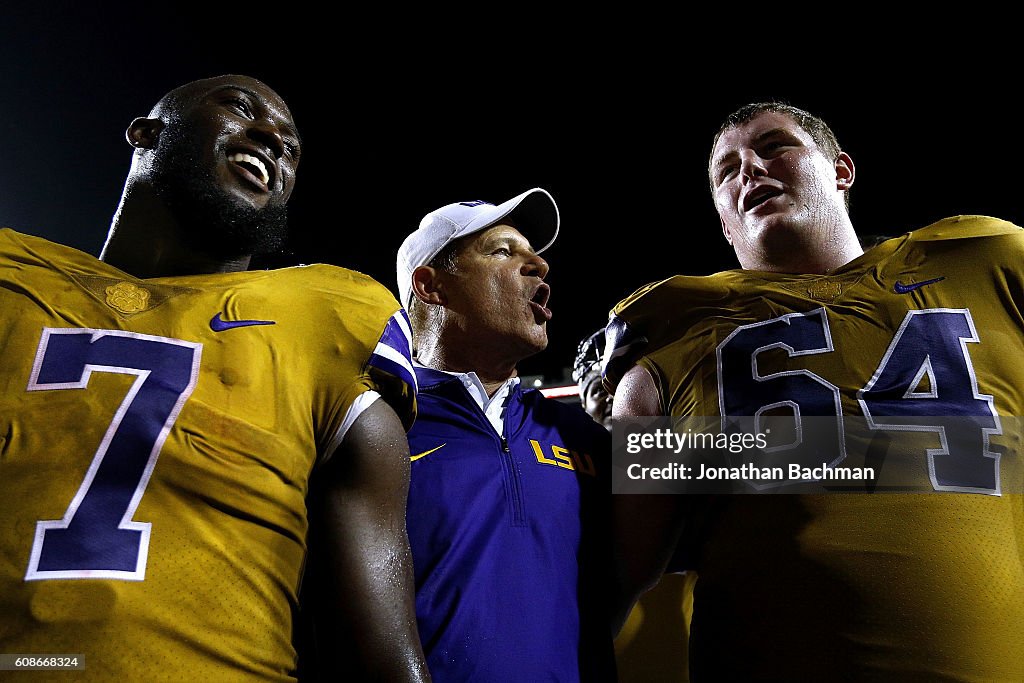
x=717 y=163
x=773 y=132
x=497 y=237
x=285 y=123
x=240 y=88
x=504 y=237
x=759 y=138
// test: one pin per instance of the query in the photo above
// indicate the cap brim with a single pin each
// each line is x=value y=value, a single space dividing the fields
x=533 y=213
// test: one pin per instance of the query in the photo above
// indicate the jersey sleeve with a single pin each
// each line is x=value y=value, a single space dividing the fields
x=372 y=350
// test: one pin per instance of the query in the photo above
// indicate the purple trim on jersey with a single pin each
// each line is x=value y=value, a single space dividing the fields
x=393 y=353
x=394 y=369
x=396 y=336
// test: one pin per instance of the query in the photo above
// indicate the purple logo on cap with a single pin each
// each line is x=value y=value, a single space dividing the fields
x=476 y=202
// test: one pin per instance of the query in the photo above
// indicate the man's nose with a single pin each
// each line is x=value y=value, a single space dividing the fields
x=535 y=265
x=266 y=133
x=751 y=166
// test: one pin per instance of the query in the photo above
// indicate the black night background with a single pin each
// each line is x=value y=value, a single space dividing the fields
x=617 y=130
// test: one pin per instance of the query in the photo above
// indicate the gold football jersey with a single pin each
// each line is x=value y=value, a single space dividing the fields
x=890 y=586
x=156 y=443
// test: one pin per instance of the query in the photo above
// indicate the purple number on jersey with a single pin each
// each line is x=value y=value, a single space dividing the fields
x=96 y=537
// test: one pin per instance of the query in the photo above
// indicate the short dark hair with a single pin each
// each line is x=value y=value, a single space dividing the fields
x=811 y=124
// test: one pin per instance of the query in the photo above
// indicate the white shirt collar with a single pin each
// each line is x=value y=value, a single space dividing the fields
x=492 y=406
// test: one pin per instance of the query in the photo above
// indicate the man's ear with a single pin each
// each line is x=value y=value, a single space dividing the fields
x=143 y=133
x=845 y=171
x=725 y=230
x=428 y=286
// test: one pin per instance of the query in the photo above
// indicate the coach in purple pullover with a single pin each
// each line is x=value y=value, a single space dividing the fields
x=507 y=511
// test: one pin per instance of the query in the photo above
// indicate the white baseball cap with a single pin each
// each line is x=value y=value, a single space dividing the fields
x=533 y=213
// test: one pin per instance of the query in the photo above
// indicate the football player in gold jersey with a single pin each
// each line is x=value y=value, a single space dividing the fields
x=906 y=336
x=164 y=414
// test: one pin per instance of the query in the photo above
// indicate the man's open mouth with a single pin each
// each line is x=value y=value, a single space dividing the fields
x=759 y=195
x=539 y=302
x=254 y=168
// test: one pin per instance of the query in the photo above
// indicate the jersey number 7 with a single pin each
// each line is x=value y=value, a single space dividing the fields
x=97 y=538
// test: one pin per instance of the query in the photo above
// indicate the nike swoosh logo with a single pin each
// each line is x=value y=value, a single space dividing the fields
x=426 y=453
x=900 y=288
x=218 y=325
